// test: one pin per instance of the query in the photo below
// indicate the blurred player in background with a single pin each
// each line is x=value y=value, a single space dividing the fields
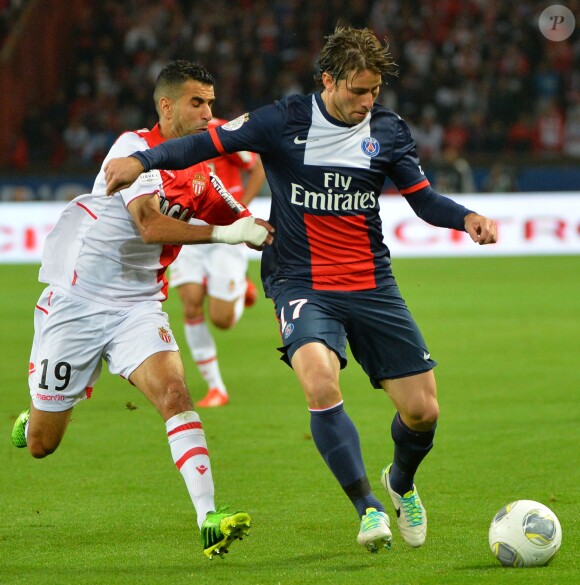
x=326 y=157
x=104 y=263
x=218 y=272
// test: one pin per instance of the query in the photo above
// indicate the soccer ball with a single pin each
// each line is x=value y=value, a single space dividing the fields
x=525 y=534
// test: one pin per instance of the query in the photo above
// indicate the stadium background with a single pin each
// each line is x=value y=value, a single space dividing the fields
x=494 y=105
x=480 y=86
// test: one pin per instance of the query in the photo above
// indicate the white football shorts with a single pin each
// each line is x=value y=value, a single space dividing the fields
x=72 y=335
x=221 y=267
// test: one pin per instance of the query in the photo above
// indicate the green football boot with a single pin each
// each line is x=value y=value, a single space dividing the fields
x=220 y=529
x=18 y=434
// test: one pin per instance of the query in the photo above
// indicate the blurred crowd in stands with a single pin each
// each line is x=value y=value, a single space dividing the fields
x=10 y=11
x=476 y=76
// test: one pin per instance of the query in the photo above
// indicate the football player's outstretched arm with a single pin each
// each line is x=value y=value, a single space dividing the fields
x=156 y=228
x=442 y=211
x=178 y=153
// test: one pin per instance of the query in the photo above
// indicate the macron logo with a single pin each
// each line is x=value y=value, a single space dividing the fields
x=299 y=140
x=202 y=469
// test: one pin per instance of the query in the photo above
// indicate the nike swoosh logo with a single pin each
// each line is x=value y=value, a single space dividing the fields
x=299 y=140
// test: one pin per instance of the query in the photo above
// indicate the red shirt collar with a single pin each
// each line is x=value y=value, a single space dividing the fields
x=155 y=137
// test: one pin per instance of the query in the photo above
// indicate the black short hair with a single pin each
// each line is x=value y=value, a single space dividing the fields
x=175 y=74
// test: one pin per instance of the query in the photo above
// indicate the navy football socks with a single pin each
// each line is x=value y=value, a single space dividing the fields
x=411 y=447
x=337 y=440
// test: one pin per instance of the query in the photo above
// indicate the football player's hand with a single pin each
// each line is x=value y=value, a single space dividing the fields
x=269 y=237
x=121 y=173
x=256 y=233
x=481 y=229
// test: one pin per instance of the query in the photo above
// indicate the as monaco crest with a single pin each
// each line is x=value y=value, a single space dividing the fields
x=164 y=334
x=198 y=184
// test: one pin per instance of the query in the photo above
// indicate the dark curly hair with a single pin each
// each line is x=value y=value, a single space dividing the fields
x=352 y=49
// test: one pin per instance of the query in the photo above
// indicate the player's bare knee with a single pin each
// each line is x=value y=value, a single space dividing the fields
x=38 y=449
x=222 y=315
x=176 y=398
x=223 y=321
x=422 y=419
x=192 y=311
x=321 y=392
x=430 y=417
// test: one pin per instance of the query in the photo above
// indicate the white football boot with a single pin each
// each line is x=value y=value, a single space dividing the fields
x=375 y=531
x=411 y=515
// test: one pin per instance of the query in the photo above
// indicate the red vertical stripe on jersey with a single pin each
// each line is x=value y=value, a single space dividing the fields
x=168 y=255
x=189 y=454
x=340 y=252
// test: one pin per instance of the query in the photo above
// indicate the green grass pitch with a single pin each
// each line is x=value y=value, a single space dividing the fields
x=109 y=507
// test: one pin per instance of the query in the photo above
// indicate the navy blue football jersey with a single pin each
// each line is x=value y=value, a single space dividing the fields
x=326 y=178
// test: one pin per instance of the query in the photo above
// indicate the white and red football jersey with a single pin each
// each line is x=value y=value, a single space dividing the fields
x=95 y=249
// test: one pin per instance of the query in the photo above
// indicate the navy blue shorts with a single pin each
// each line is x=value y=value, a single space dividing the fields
x=382 y=334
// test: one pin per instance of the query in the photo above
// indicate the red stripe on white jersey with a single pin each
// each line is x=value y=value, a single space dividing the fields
x=189 y=454
x=42 y=309
x=185 y=427
x=87 y=210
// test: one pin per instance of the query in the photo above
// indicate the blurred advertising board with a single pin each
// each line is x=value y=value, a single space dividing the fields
x=529 y=224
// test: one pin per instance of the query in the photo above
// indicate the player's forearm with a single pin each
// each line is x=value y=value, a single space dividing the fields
x=437 y=209
x=160 y=229
x=165 y=230
x=178 y=153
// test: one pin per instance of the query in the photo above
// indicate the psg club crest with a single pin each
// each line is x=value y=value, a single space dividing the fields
x=288 y=330
x=370 y=146
x=164 y=334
